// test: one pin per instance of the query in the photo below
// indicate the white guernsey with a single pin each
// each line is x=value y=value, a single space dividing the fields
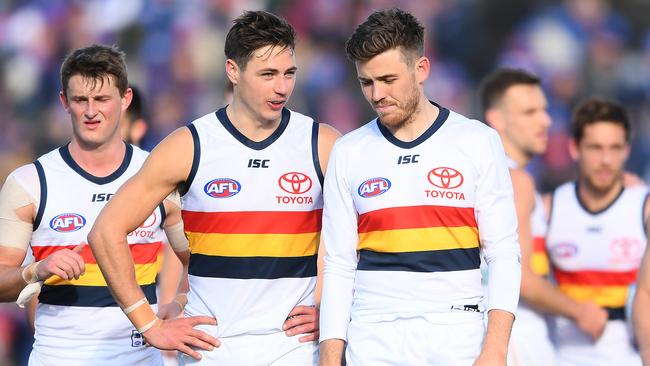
x=405 y=224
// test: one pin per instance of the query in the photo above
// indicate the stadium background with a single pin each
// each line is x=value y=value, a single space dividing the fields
x=175 y=56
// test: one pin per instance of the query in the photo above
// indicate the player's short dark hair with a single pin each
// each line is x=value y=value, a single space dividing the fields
x=95 y=63
x=595 y=110
x=256 y=29
x=385 y=30
x=495 y=85
x=138 y=108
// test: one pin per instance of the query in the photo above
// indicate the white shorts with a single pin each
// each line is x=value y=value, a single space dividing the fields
x=274 y=349
x=614 y=347
x=430 y=339
x=530 y=342
x=146 y=356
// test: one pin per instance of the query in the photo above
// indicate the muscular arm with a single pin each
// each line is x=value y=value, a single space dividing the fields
x=641 y=304
x=167 y=166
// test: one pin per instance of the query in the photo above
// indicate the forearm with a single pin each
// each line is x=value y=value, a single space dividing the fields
x=12 y=283
x=498 y=333
x=642 y=323
x=540 y=294
x=111 y=250
x=331 y=352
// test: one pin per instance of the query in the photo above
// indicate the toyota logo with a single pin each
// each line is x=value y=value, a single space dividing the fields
x=295 y=183
x=444 y=177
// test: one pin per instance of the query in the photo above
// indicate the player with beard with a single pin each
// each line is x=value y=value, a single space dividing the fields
x=411 y=198
x=597 y=235
x=514 y=104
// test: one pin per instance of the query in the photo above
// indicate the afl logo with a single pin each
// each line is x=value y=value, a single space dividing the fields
x=374 y=187
x=222 y=188
x=445 y=177
x=295 y=183
x=67 y=222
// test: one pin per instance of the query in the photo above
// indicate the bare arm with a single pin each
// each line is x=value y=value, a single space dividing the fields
x=497 y=336
x=538 y=291
x=173 y=280
x=331 y=352
x=642 y=302
x=167 y=166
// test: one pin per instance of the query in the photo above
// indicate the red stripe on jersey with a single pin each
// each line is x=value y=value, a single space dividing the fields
x=415 y=217
x=253 y=222
x=141 y=253
x=595 y=278
x=539 y=244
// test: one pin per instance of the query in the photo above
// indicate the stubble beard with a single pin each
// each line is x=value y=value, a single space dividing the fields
x=405 y=114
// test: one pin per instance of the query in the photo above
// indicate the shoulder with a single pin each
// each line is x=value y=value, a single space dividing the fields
x=327 y=134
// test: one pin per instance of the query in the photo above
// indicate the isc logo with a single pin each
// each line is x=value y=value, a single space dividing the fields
x=222 y=188
x=374 y=187
x=67 y=222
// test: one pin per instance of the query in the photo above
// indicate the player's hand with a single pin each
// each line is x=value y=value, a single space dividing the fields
x=303 y=319
x=170 y=310
x=179 y=334
x=591 y=319
x=65 y=263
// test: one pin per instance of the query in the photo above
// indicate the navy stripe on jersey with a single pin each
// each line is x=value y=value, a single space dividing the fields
x=586 y=209
x=443 y=113
x=252 y=267
x=163 y=214
x=255 y=145
x=314 y=153
x=87 y=296
x=426 y=261
x=65 y=154
x=184 y=187
x=43 y=201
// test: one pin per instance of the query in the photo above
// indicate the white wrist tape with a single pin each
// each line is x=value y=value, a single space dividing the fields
x=135 y=305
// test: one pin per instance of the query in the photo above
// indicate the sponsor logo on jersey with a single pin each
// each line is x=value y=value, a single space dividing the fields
x=564 y=250
x=624 y=250
x=137 y=340
x=145 y=230
x=222 y=188
x=296 y=184
x=374 y=187
x=67 y=222
x=445 y=179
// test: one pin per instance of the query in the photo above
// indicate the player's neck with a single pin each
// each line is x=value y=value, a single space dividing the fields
x=249 y=123
x=520 y=158
x=596 y=200
x=425 y=115
x=99 y=161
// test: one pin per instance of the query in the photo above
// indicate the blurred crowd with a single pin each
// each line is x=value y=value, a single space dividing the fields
x=175 y=57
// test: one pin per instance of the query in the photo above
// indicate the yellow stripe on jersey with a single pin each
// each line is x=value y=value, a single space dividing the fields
x=419 y=240
x=145 y=274
x=254 y=245
x=605 y=296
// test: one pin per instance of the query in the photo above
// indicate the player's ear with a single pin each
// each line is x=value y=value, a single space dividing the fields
x=573 y=149
x=232 y=71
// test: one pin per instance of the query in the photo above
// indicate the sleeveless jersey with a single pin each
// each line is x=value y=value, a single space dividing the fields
x=78 y=320
x=418 y=213
x=252 y=214
x=596 y=255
